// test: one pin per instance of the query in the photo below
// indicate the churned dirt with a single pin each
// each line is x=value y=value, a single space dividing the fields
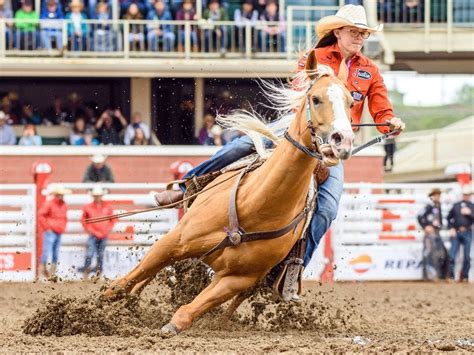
x=345 y=317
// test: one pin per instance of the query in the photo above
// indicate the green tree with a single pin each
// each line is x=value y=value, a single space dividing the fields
x=466 y=94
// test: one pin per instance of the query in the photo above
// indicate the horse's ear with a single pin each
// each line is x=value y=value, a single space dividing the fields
x=311 y=65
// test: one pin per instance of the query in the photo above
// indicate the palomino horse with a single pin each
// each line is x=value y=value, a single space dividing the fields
x=268 y=198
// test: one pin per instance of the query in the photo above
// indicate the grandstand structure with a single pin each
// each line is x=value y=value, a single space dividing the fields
x=433 y=37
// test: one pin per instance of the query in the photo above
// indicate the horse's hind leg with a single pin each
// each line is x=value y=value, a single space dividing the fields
x=220 y=290
x=162 y=253
x=236 y=302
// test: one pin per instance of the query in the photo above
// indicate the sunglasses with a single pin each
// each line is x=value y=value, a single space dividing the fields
x=356 y=33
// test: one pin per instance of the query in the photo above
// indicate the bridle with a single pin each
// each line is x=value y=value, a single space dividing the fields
x=317 y=140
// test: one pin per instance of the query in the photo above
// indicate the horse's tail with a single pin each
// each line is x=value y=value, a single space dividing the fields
x=252 y=125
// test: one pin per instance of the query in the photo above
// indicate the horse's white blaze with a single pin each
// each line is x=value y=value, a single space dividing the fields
x=336 y=96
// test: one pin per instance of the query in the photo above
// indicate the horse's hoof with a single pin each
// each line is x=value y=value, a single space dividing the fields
x=169 y=330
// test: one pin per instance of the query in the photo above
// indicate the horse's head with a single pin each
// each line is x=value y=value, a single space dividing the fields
x=329 y=104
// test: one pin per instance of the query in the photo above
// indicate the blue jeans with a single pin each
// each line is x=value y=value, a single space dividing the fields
x=95 y=246
x=464 y=238
x=48 y=35
x=51 y=243
x=328 y=198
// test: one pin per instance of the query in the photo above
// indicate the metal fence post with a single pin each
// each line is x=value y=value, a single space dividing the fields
x=64 y=24
x=427 y=25
x=449 y=25
x=187 y=40
x=289 y=31
x=126 y=42
x=3 y=37
x=248 y=41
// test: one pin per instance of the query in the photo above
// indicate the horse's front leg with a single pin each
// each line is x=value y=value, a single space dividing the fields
x=163 y=253
x=220 y=290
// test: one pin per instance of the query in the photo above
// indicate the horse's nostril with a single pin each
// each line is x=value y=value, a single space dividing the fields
x=336 y=138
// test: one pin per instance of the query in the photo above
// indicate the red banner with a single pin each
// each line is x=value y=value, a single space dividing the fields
x=15 y=261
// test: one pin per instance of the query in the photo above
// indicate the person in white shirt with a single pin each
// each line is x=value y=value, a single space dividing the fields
x=7 y=135
x=136 y=122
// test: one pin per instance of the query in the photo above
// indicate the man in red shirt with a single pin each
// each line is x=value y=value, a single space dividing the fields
x=52 y=218
x=98 y=232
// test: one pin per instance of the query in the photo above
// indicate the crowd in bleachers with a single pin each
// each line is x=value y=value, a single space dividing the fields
x=89 y=126
x=86 y=125
x=24 y=31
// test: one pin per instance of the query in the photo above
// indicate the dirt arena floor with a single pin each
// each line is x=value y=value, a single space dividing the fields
x=344 y=317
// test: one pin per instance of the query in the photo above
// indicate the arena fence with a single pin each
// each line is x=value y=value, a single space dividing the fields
x=17 y=232
x=375 y=236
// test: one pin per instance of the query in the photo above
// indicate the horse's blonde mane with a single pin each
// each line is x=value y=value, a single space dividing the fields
x=283 y=98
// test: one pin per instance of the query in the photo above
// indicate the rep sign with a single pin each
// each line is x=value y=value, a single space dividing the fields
x=377 y=262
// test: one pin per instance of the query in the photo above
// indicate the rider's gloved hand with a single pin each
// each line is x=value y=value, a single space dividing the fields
x=329 y=159
x=396 y=124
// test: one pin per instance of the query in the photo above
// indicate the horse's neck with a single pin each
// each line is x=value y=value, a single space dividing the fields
x=288 y=171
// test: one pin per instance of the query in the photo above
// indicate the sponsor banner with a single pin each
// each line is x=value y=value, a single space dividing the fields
x=16 y=264
x=118 y=260
x=378 y=262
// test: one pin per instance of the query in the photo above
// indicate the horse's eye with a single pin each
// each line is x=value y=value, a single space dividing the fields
x=316 y=100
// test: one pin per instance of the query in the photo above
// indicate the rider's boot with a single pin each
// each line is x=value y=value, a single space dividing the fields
x=168 y=197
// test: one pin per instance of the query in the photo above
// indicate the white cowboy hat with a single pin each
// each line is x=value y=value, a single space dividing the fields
x=60 y=190
x=467 y=190
x=3 y=116
x=348 y=15
x=98 y=158
x=98 y=191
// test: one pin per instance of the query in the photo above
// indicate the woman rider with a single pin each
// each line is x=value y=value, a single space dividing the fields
x=341 y=39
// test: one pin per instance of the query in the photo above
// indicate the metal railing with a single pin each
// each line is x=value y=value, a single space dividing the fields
x=145 y=38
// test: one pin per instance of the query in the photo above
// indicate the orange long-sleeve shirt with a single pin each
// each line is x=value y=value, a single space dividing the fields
x=53 y=216
x=364 y=81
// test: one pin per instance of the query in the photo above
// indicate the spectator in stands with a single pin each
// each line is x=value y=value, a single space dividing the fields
x=158 y=32
x=98 y=232
x=187 y=13
x=30 y=136
x=109 y=125
x=6 y=107
x=74 y=108
x=136 y=123
x=15 y=107
x=76 y=135
x=29 y=116
x=136 y=35
x=139 y=138
x=435 y=256
x=390 y=147
x=260 y=7
x=77 y=28
x=460 y=221
x=93 y=8
x=125 y=6
x=7 y=135
x=105 y=39
x=215 y=38
x=26 y=22
x=272 y=36
x=205 y=131
x=52 y=218
x=51 y=30
x=7 y=15
x=89 y=138
x=215 y=137
x=56 y=113
x=98 y=171
x=244 y=16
